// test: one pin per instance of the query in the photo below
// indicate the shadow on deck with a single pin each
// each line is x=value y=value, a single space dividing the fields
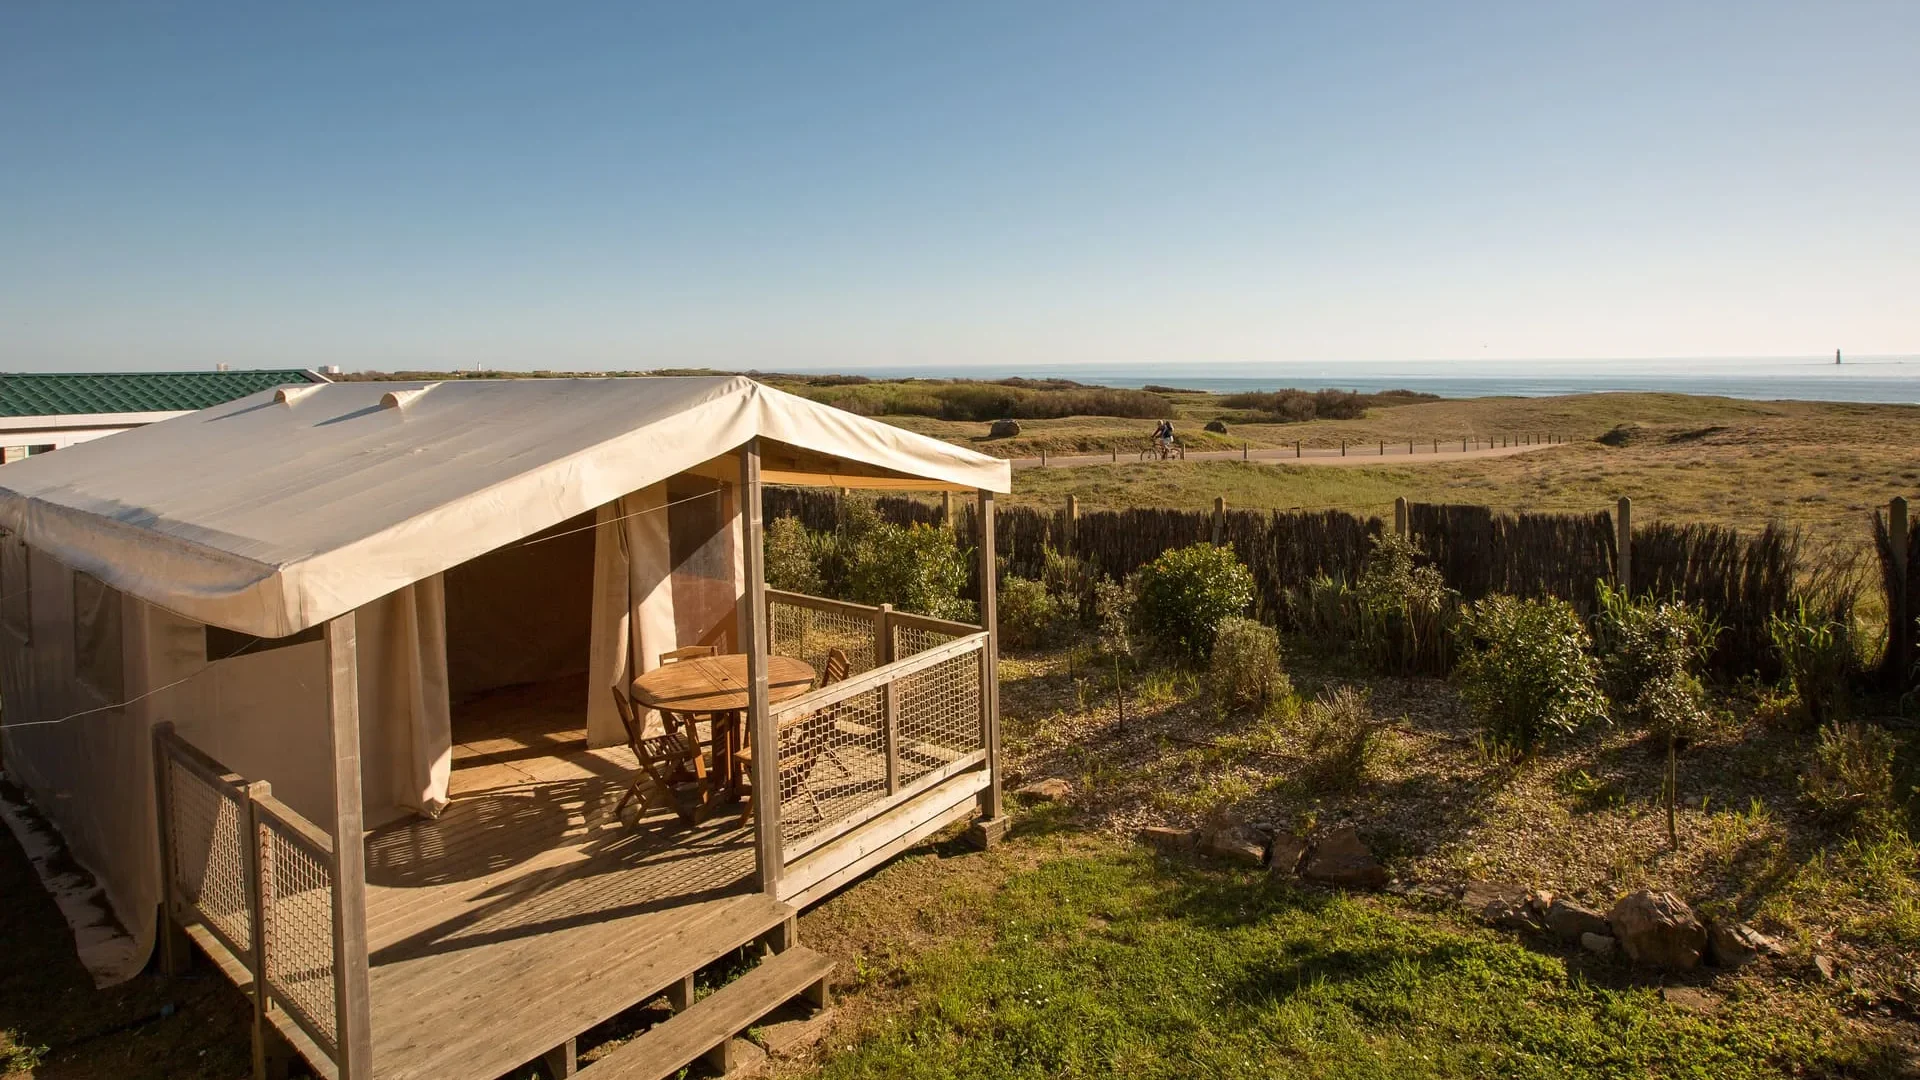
x=526 y=899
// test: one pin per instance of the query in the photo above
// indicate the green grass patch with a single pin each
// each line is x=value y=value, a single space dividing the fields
x=1116 y=964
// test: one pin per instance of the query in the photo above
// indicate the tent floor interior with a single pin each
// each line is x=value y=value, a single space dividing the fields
x=526 y=914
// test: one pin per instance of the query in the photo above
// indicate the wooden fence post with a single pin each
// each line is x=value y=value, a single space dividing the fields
x=1115 y=451
x=946 y=509
x=1296 y=448
x=1343 y=448
x=1901 y=617
x=1400 y=515
x=1463 y=446
x=1219 y=520
x=1383 y=448
x=1623 y=546
x=1073 y=520
x=1243 y=451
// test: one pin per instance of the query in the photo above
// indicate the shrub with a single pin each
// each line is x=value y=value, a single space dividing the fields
x=914 y=567
x=1030 y=616
x=1525 y=672
x=1342 y=737
x=1850 y=776
x=1070 y=581
x=1187 y=592
x=1246 y=670
x=1817 y=652
x=1405 y=613
x=792 y=557
x=1651 y=652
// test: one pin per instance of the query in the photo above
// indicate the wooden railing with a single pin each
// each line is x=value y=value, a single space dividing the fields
x=258 y=878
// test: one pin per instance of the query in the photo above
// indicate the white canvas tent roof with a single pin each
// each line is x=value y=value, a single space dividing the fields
x=276 y=512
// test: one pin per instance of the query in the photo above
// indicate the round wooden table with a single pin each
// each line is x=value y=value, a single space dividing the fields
x=717 y=686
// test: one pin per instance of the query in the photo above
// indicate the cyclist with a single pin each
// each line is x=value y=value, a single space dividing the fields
x=1164 y=436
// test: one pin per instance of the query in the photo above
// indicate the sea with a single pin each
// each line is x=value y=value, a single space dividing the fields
x=1886 y=379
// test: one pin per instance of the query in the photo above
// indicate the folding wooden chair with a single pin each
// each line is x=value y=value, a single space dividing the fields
x=802 y=740
x=686 y=720
x=665 y=760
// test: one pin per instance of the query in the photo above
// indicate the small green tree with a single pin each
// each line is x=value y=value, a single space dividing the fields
x=1525 y=672
x=1187 y=592
x=1651 y=653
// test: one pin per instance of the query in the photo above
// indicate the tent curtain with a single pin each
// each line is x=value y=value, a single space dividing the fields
x=633 y=621
x=406 y=724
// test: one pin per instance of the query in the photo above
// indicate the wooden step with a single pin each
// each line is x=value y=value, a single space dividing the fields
x=668 y=1047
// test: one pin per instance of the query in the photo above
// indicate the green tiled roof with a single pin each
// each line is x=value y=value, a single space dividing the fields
x=133 y=391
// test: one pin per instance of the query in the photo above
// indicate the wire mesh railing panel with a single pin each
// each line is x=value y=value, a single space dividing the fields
x=939 y=715
x=298 y=906
x=911 y=640
x=833 y=763
x=806 y=633
x=207 y=832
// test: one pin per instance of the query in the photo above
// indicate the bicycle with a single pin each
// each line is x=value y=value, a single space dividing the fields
x=1155 y=451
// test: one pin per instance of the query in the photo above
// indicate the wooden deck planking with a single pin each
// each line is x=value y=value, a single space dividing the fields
x=525 y=899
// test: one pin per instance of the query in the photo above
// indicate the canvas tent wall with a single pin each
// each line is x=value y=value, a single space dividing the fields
x=215 y=545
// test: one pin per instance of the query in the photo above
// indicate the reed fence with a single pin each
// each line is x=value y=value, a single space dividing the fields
x=1741 y=579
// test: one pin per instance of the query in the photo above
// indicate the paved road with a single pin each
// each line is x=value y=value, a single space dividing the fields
x=1356 y=455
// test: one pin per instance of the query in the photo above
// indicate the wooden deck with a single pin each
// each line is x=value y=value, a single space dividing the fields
x=527 y=900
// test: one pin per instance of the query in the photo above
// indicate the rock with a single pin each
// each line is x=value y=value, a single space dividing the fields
x=1341 y=858
x=1284 y=858
x=1736 y=945
x=1004 y=429
x=1498 y=904
x=1686 y=997
x=1658 y=929
x=1510 y=915
x=1051 y=789
x=1597 y=944
x=1234 y=842
x=1571 y=922
x=1218 y=427
x=1827 y=967
x=1167 y=838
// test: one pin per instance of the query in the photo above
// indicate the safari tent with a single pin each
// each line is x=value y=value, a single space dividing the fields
x=344 y=684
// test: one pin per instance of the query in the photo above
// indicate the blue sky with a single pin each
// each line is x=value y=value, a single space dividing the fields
x=845 y=185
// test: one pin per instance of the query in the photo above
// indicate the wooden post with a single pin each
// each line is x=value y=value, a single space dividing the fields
x=946 y=509
x=993 y=822
x=1902 y=615
x=1409 y=447
x=1043 y=457
x=753 y=633
x=1436 y=446
x=176 y=951
x=1219 y=520
x=563 y=1060
x=1243 y=451
x=1343 y=448
x=889 y=695
x=1400 y=515
x=352 y=1005
x=259 y=886
x=1623 y=546
x=1073 y=521
x=1463 y=446
x=1115 y=451
x=1383 y=448
x=1296 y=448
